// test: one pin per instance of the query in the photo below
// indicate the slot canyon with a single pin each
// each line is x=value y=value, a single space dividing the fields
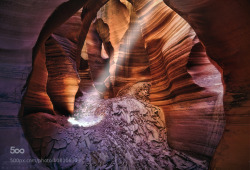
x=125 y=84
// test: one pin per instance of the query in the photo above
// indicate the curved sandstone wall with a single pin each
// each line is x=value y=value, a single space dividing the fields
x=223 y=27
x=183 y=63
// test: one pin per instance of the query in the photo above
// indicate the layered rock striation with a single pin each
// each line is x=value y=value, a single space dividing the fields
x=126 y=43
x=223 y=28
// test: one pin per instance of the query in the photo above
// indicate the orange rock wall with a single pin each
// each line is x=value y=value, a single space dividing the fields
x=223 y=27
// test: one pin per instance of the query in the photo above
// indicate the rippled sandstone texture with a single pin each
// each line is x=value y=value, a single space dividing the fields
x=192 y=104
x=20 y=25
x=185 y=83
x=223 y=27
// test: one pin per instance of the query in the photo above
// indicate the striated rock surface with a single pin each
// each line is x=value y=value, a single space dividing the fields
x=18 y=35
x=183 y=63
x=63 y=79
x=116 y=15
x=132 y=63
x=223 y=27
x=166 y=52
x=96 y=41
x=20 y=24
x=37 y=80
x=185 y=84
x=55 y=20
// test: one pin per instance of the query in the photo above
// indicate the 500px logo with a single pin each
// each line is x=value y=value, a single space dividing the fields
x=14 y=150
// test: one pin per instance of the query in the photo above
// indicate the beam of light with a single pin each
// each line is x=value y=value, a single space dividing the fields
x=87 y=121
x=130 y=38
x=85 y=114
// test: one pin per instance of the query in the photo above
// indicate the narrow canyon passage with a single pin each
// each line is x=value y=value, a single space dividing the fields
x=119 y=84
x=114 y=59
